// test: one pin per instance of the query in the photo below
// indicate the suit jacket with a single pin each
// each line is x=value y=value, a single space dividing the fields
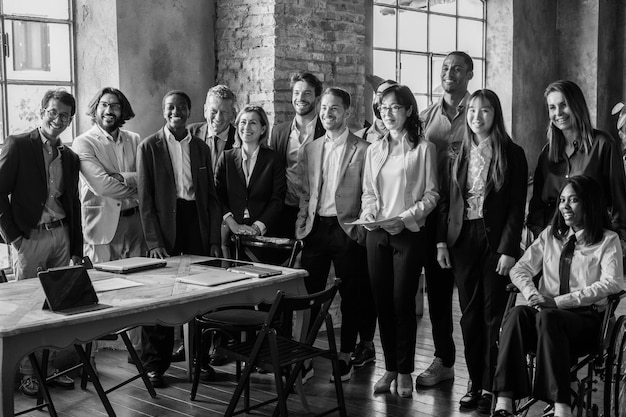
x=503 y=210
x=279 y=140
x=100 y=194
x=265 y=194
x=201 y=130
x=23 y=188
x=349 y=187
x=157 y=192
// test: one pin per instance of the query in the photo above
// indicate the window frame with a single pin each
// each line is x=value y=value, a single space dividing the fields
x=432 y=81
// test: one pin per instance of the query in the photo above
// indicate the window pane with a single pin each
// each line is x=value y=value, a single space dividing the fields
x=422 y=102
x=384 y=27
x=385 y=64
x=414 y=72
x=471 y=37
x=442 y=34
x=1 y=120
x=24 y=103
x=477 y=80
x=54 y=9
x=443 y=6
x=392 y=2
x=412 y=31
x=471 y=8
x=31 y=57
x=436 y=75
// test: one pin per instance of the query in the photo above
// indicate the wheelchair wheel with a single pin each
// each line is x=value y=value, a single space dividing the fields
x=615 y=372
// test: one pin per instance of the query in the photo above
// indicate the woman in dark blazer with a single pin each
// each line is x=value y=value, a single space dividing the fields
x=250 y=178
x=480 y=233
x=575 y=148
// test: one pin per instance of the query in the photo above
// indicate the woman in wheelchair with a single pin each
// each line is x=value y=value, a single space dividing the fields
x=581 y=262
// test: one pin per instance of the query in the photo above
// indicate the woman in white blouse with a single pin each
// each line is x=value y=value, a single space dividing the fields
x=581 y=261
x=399 y=191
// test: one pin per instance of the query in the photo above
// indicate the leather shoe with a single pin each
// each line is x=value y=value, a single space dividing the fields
x=207 y=374
x=502 y=413
x=156 y=379
x=179 y=354
x=484 y=404
x=470 y=400
x=219 y=359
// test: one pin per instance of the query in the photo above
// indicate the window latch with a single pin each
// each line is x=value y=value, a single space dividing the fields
x=5 y=44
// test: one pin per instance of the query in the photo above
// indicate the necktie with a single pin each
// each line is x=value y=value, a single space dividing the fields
x=214 y=140
x=565 y=264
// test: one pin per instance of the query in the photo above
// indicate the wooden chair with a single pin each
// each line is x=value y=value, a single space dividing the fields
x=275 y=350
x=237 y=320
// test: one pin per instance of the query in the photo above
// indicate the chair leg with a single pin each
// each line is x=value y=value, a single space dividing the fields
x=282 y=391
x=245 y=377
x=197 y=362
x=43 y=399
x=95 y=380
x=137 y=362
x=84 y=378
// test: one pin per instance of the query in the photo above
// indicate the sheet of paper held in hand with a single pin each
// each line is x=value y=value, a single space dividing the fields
x=379 y=223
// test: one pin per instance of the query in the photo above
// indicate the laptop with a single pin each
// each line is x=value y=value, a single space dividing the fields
x=129 y=265
x=213 y=277
x=69 y=290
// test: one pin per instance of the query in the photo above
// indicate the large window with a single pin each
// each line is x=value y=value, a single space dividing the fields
x=412 y=37
x=36 y=43
x=37 y=55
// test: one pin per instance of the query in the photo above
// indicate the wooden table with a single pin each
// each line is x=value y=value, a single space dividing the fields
x=26 y=328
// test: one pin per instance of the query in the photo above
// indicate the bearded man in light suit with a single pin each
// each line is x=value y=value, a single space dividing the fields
x=108 y=187
x=332 y=174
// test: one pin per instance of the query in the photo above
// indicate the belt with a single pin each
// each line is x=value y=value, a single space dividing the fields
x=328 y=219
x=51 y=225
x=129 y=212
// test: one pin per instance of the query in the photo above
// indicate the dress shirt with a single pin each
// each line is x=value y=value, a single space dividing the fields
x=297 y=140
x=181 y=164
x=118 y=149
x=53 y=209
x=596 y=270
x=477 y=171
x=211 y=142
x=391 y=183
x=331 y=161
x=444 y=133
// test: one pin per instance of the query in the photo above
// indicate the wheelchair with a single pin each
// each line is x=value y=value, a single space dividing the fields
x=605 y=367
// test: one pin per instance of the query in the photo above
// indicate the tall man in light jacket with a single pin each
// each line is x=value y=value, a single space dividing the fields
x=332 y=174
x=108 y=186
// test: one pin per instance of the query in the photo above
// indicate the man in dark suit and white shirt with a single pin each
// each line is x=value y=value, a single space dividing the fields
x=289 y=139
x=179 y=209
x=39 y=204
x=217 y=132
x=332 y=177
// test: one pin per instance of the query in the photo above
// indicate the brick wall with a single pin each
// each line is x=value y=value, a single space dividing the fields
x=260 y=44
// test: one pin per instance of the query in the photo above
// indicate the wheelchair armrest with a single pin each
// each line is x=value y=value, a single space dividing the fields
x=512 y=288
x=616 y=296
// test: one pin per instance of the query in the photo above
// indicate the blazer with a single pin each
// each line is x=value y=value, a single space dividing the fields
x=279 y=139
x=100 y=194
x=263 y=197
x=201 y=130
x=157 y=192
x=420 y=174
x=24 y=188
x=349 y=187
x=503 y=210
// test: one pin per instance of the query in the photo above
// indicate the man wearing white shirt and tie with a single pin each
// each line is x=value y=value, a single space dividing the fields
x=108 y=180
x=217 y=132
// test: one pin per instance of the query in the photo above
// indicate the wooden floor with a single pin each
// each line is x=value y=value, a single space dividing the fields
x=133 y=400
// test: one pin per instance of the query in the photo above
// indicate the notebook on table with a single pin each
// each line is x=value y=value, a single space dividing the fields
x=129 y=265
x=69 y=290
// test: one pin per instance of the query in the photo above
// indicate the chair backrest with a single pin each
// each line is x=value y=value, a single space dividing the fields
x=280 y=316
x=290 y=247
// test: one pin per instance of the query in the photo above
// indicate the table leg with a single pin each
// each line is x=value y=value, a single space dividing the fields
x=188 y=340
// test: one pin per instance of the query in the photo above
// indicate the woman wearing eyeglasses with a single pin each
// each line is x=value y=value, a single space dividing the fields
x=399 y=191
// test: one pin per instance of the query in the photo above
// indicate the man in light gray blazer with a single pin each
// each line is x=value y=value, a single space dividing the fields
x=108 y=180
x=332 y=174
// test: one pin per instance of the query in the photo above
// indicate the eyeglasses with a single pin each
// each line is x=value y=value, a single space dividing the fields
x=53 y=114
x=112 y=106
x=395 y=108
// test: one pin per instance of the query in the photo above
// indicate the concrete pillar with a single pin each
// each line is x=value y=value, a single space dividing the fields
x=145 y=49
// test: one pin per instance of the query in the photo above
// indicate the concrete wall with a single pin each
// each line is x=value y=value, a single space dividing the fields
x=145 y=49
